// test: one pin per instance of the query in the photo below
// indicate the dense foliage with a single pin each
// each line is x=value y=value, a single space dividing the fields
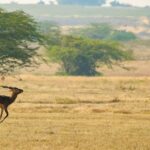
x=18 y=32
x=79 y=56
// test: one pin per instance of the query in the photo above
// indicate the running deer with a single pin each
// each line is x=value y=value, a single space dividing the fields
x=5 y=101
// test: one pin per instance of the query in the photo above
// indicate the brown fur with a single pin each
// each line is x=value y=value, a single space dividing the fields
x=5 y=101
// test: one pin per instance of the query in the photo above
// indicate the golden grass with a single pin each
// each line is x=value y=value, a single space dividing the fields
x=78 y=113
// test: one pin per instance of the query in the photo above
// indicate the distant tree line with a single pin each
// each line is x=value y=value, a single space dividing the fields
x=114 y=3
x=81 y=2
x=103 y=31
x=118 y=4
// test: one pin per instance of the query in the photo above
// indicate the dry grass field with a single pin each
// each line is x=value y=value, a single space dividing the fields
x=78 y=113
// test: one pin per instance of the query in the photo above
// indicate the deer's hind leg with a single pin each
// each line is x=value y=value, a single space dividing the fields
x=2 y=108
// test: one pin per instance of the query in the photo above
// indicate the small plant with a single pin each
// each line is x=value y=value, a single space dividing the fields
x=116 y=100
x=127 y=88
x=131 y=88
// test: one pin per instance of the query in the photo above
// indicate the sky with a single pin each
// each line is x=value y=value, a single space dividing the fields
x=25 y=1
x=139 y=3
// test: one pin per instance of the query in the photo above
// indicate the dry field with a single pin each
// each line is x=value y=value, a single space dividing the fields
x=78 y=113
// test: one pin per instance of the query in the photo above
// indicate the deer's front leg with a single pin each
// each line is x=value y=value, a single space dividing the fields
x=6 y=111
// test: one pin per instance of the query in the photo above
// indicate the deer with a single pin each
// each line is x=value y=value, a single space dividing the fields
x=5 y=101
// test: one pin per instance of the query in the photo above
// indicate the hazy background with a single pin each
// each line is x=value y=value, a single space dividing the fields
x=140 y=3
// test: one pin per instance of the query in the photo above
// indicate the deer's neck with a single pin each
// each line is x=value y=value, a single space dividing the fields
x=13 y=97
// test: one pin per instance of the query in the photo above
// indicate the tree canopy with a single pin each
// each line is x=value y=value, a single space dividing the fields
x=18 y=34
x=80 y=56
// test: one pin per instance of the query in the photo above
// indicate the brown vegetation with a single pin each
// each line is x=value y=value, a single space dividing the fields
x=76 y=113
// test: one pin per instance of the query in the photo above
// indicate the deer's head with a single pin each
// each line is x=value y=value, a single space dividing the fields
x=13 y=89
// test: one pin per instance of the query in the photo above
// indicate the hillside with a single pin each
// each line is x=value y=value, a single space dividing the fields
x=132 y=19
x=78 y=11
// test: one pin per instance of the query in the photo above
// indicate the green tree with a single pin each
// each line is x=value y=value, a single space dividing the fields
x=18 y=32
x=80 y=56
